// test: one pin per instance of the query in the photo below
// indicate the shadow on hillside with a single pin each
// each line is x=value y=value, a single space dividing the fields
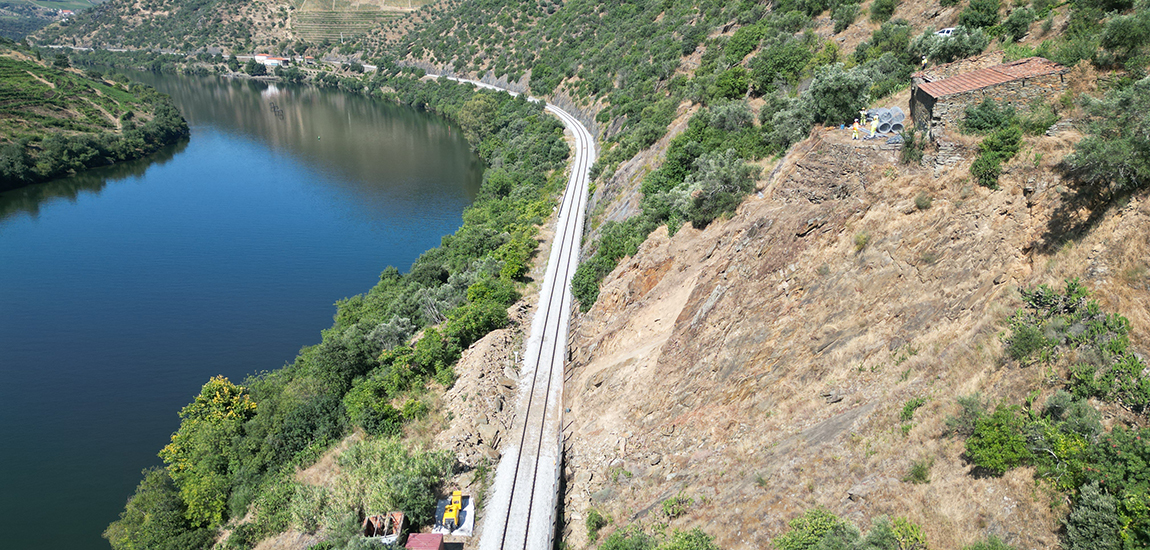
x=1080 y=210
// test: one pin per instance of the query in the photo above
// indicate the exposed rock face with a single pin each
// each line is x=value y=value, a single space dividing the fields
x=760 y=365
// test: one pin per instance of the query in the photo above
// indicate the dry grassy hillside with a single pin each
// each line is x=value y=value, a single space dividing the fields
x=760 y=366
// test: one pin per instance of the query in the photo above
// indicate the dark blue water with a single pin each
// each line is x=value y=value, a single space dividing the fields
x=124 y=290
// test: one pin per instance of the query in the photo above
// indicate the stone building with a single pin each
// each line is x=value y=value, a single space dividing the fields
x=939 y=97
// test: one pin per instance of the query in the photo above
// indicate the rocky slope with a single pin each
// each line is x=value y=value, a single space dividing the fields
x=759 y=366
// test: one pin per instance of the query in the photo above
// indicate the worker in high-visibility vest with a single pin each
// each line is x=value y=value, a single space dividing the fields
x=873 y=126
x=855 y=129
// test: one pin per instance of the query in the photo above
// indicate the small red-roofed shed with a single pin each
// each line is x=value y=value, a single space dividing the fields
x=424 y=541
x=938 y=103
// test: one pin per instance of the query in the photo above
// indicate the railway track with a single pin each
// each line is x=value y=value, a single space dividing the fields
x=524 y=502
x=522 y=511
x=523 y=507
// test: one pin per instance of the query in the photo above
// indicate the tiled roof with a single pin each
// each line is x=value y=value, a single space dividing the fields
x=982 y=78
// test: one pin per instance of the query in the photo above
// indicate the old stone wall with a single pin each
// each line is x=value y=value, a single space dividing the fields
x=921 y=104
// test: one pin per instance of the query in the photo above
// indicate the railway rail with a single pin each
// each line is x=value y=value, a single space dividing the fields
x=523 y=507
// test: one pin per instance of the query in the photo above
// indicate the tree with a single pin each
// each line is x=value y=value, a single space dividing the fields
x=154 y=519
x=779 y=63
x=838 y=94
x=998 y=443
x=1115 y=157
x=980 y=14
x=718 y=186
x=730 y=84
x=199 y=456
x=943 y=49
x=477 y=118
x=255 y=68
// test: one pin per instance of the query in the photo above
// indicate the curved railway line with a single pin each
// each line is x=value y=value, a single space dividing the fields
x=522 y=510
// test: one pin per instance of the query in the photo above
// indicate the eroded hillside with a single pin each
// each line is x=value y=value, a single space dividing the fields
x=759 y=367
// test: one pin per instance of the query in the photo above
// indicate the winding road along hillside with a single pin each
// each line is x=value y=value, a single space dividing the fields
x=524 y=501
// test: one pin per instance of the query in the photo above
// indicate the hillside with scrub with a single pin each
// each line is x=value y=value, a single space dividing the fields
x=55 y=121
x=786 y=337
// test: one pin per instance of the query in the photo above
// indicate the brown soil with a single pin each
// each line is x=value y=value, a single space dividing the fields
x=760 y=365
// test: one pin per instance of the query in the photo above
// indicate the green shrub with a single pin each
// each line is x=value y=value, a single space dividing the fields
x=1040 y=119
x=991 y=543
x=1114 y=157
x=997 y=148
x=677 y=505
x=919 y=472
x=882 y=10
x=909 y=407
x=1093 y=523
x=837 y=94
x=695 y=539
x=912 y=148
x=731 y=84
x=743 y=42
x=844 y=15
x=908 y=534
x=631 y=538
x=470 y=322
x=987 y=117
x=971 y=410
x=719 y=185
x=585 y=286
x=808 y=530
x=1125 y=36
x=998 y=442
x=155 y=518
x=1025 y=341
x=1016 y=25
x=368 y=403
x=922 y=201
x=384 y=474
x=594 y=522
x=979 y=14
x=962 y=43
x=307 y=507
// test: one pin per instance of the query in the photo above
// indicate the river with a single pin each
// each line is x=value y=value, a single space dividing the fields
x=123 y=290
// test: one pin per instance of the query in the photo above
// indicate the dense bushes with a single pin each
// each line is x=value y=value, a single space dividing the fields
x=1114 y=158
x=979 y=14
x=996 y=149
x=635 y=539
x=818 y=528
x=963 y=42
x=1107 y=473
x=837 y=94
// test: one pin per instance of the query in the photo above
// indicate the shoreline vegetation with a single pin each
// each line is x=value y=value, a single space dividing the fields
x=239 y=445
x=58 y=121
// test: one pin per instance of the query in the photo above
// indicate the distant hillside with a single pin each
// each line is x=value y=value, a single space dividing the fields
x=18 y=18
x=55 y=121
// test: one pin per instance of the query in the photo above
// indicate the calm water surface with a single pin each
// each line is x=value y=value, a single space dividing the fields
x=122 y=291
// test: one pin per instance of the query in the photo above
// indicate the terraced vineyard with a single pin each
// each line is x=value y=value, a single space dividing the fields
x=316 y=26
x=54 y=122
